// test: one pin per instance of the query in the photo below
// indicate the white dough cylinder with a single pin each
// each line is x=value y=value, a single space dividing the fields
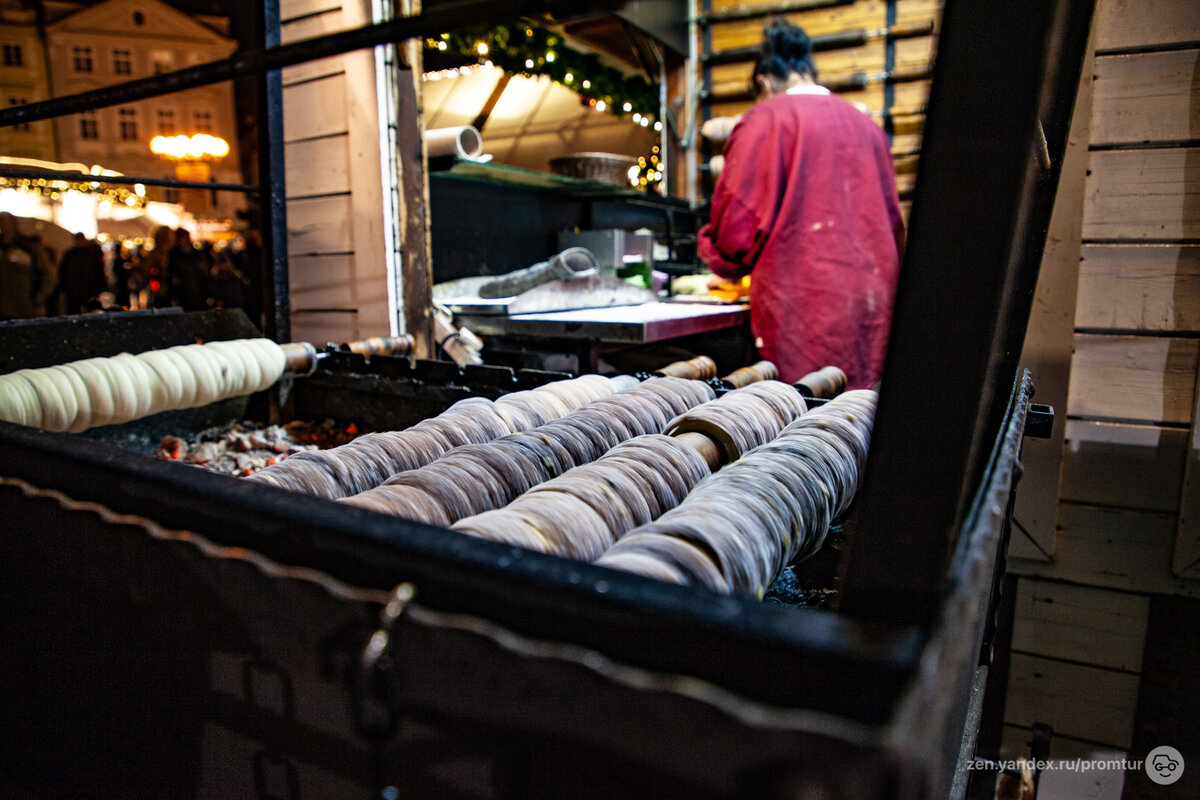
x=108 y=391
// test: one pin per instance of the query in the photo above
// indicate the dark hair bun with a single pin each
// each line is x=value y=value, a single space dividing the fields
x=787 y=41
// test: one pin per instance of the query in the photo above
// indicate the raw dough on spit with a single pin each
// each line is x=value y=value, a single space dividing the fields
x=107 y=391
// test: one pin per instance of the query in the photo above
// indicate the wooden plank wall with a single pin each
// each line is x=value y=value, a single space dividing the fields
x=898 y=105
x=336 y=237
x=1130 y=418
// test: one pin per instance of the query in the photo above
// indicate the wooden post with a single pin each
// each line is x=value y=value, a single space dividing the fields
x=1050 y=338
x=416 y=268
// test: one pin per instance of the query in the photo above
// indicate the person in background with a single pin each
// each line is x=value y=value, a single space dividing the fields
x=27 y=277
x=807 y=203
x=188 y=270
x=81 y=276
x=154 y=268
x=228 y=283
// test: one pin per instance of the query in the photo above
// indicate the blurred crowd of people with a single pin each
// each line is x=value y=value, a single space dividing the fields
x=169 y=270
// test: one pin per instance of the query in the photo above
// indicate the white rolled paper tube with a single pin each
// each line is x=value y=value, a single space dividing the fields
x=463 y=141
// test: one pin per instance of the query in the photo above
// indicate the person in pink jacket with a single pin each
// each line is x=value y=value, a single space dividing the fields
x=807 y=203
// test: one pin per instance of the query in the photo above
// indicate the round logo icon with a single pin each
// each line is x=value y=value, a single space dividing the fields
x=1164 y=765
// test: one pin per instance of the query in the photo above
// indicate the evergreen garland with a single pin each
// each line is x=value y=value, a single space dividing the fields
x=529 y=49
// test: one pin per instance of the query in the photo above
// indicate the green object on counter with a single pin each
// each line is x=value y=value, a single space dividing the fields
x=638 y=273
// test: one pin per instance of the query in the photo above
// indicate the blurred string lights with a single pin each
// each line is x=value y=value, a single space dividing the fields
x=133 y=197
x=529 y=49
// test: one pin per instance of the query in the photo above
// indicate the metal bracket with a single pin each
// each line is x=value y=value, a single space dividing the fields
x=1039 y=422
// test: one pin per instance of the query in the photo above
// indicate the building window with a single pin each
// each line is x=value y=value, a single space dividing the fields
x=160 y=62
x=18 y=101
x=202 y=120
x=128 y=120
x=166 y=121
x=81 y=58
x=122 y=62
x=88 y=128
x=13 y=56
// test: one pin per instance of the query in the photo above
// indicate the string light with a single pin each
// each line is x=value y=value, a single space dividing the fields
x=541 y=51
x=112 y=193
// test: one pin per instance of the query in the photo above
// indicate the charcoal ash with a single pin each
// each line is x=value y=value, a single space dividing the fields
x=242 y=448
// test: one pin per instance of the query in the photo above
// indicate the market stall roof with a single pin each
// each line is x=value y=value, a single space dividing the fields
x=526 y=121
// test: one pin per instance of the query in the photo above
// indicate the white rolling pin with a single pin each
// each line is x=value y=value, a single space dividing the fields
x=463 y=141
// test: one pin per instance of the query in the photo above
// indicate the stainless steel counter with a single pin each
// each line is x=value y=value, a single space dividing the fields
x=650 y=322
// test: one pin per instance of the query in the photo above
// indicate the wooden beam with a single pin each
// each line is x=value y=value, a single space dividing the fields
x=416 y=268
x=1050 y=338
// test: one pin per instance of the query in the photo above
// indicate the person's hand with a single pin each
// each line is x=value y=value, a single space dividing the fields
x=716 y=282
x=719 y=129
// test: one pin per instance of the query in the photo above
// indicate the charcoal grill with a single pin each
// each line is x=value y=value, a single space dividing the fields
x=173 y=631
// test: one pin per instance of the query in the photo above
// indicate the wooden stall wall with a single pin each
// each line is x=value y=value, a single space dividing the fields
x=1116 y=333
x=336 y=237
x=887 y=73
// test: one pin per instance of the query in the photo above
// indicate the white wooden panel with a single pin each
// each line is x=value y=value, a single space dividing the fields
x=1114 y=548
x=311 y=28
x=371 y=237
x=1126 y=466
x=1084 y=702
x=319 y=226
x=1141 y=23
x=325 y=327
x=291 y=9
x=312 y=70
x=314 y=108
x=322 y=282
x=1146 y=97
x=317 y=167
x=1133 y=378
x=1094 y=626
x=1151 y=287
x=1143 y=194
